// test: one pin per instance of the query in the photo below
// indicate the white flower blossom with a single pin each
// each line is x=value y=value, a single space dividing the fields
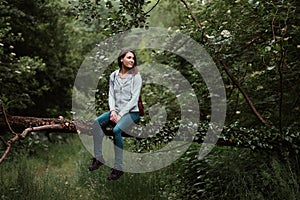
x=210 y=36
x=268 y=48
x=226 y=33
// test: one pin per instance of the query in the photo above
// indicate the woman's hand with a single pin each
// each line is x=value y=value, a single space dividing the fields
x=118 y=117
x=114 y=117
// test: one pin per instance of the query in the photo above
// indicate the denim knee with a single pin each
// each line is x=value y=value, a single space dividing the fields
x=117 y=131
x=118 y=140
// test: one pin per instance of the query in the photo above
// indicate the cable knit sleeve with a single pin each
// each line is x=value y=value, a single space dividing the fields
x=111 y=93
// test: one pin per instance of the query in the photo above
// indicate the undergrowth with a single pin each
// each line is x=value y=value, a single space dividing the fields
x=58 y=170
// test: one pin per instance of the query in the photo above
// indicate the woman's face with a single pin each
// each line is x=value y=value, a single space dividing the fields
x=128 y=60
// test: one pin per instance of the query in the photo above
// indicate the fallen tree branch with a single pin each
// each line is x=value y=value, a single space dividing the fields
x=40 y=124
x=19 y=123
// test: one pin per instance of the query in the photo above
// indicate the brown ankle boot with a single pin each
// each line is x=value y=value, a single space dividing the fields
x=115 y=174
x=96 y=164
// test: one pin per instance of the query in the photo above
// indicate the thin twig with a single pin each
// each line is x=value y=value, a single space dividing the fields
x=281 y=61
x=152 y=7
x=195 y=19
x=241 y=89
x=24 y=134
x=3 y=141
x=5 y=116
x=273 y=27
x=5 y=152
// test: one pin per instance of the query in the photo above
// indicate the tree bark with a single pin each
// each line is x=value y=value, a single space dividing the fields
x=19 y=123
x=21 y=126
x=15 y=124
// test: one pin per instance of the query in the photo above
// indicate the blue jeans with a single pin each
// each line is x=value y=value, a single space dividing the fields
x=125 y=123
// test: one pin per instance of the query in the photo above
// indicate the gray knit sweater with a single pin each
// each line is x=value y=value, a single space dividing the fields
x=124 y=93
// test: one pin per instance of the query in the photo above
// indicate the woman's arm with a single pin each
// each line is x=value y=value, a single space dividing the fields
x=111 y=93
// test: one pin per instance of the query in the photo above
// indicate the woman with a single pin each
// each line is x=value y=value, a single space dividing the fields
x=124 y=90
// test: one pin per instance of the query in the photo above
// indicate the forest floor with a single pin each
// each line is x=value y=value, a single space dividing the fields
x=59 y=170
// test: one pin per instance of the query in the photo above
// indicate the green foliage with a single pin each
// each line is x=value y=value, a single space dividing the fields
x=255 y=39
x=285 y=143
x=17 y=74
x=42 y=176
x=33 y=57
x=229 y=173
x=42 y=46
x=258 y=41
x=19 y=84
x=158 y=17
x=111 y=17
x=60 y=172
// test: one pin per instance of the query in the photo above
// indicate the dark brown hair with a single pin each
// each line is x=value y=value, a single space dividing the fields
x=122 y=55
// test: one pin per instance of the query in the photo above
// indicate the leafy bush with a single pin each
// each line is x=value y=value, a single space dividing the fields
x=230 y=173
x=264 y=138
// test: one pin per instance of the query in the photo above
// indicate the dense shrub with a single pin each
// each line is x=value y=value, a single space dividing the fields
x=231 y=173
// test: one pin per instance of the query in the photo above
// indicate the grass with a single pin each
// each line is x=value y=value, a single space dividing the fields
x=59 y=171
x=232 y=173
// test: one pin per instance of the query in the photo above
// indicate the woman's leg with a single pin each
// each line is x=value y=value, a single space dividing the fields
x=125 y=123
x=99 y=123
